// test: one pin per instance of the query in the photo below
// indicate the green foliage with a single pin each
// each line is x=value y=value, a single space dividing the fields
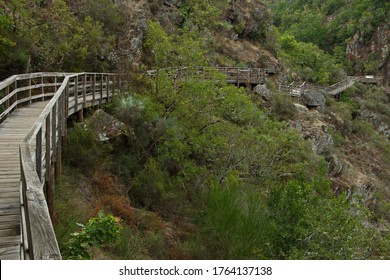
x=85 y=152
x=201 y=14
x=174 y=51
x=295 y=220
x=232 y=227
x=37 y=37
x=330 y=24
x=282 y=107
x=98 y=231
x=105 y=12
x=308 y=61
x=153 y=187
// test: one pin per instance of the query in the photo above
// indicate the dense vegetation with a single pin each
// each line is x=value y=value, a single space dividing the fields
x=203 y=169
x=46 y=35
x=330 y=24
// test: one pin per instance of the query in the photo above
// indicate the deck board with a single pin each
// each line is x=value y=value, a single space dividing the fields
x=12 y=132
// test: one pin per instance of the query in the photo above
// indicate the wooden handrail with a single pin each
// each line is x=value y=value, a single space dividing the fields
x=41 y=148
x=233 y=75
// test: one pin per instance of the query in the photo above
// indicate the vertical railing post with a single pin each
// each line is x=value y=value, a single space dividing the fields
x=6 y=93
x=101 y=89
x=84 y=90
x=76 y=93
x=16 y=93
x=38 y=154
x=108 y=88
x=42 y=88
x=49 y=182
x=55 y=84
x=60 y=113
x=54 y=114
x=64 y=116
x=29 y=90
x=94 y=89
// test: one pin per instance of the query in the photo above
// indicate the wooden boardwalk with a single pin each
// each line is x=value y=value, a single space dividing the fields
x=32 y=132
x=12 y=132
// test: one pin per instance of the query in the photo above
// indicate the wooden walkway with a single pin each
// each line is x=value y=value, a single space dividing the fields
x=333 y=90
x=12 y=132
x=31 y=135
x=32 y=131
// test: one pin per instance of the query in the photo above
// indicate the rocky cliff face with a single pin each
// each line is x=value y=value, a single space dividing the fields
x=373 y=53
x=128 y=50
x=251 y=19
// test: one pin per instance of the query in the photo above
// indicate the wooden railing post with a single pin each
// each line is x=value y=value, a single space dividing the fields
x=29 y=90
x=76 y=93
x=42 y=89
x=84 y=79
x=108 y=87
x=38 y=154
x=94 y=89
x=49 y=182
x=101 y=89
x=60 y=112
x=16 y=95
x=6 y=92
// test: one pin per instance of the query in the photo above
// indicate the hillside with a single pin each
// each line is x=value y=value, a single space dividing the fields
x=195 y=168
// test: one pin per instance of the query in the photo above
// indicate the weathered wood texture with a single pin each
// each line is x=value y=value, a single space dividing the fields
x=231 y=75
x=31 y=138
x=332 y=90
x=12 y=132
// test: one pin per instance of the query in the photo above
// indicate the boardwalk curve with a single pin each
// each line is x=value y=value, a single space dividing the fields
x=33 y=113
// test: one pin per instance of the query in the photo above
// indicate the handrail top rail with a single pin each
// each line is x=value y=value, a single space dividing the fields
x=12 y=79
x=39 y=121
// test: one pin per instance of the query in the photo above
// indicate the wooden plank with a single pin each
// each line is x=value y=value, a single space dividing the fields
x=9 y=218
x=10 y=252
x=7 y=241
x=9 y=232
x=15 y=225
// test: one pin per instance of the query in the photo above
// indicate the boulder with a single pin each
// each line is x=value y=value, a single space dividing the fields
x=314 y=99
x=106 y=126
x=263 y=91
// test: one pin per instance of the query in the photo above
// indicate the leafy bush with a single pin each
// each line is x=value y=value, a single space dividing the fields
x=83 y=149
x=98 y=231
x=282 y=107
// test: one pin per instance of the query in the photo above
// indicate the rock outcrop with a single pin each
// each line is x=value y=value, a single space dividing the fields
x=314 y=99
x=360 y=50
x=263 y=91
x=374 y=119
x=105 y=126
x=251 y=19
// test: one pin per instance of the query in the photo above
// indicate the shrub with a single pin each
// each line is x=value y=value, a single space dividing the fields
x=83 y=149
x=98 y=231
x=282 y=107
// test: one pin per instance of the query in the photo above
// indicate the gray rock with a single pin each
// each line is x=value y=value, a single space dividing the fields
x=314 y=99
x=106 y=126
x=263 y=90
x=374 y=119
x=322 y=143
x=335 y=166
